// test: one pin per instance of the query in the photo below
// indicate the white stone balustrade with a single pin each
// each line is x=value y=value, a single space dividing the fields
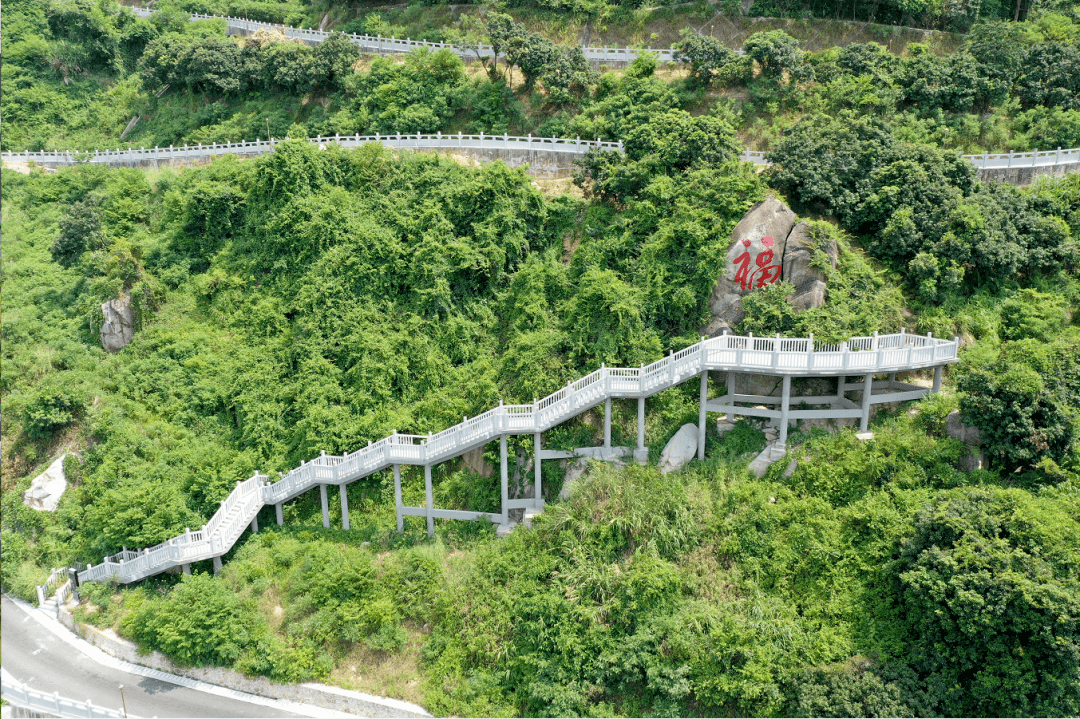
x=777 y=356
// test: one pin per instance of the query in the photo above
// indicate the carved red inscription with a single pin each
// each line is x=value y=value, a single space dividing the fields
x=762 y=273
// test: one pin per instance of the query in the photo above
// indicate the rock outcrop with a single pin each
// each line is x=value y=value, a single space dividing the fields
x=45 y=491
x=767 y=246
x=475 y=462
x=809 y=281
x=680 y=449
x=970 y=436
x=753 y=260
x=119 y=326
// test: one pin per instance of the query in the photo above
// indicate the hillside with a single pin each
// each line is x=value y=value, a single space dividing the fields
x=317 y=299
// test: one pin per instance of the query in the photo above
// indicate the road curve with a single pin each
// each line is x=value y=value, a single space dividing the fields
x=37 y=657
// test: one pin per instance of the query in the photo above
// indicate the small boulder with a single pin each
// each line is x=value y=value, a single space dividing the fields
x=958 y=430
x=809 y=281
x=972 y=460
x=680 y=449
x=45 y=491
x=119 y=326
x=753 y=260
x=574 y=472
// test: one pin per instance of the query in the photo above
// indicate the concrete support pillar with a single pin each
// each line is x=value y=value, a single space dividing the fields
x=504 y=478
x=641 y=455
x=539 y=494
x=937 y=379
x=702 y=399
x=607 y=423
x=278 y=510
x=344 y=507
x=325 y=506
x=785 y=407
x=892 y=376
x=867 y=386
x=255 y=524
x=217 y=566
x=731 y=416
x=841 y=386
x=430 y=500
x=186 y=568
x=397 y=498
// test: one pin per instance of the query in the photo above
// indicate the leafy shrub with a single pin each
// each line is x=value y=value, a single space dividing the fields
x=990 y=593
x=1025 y=400
x=200 y=622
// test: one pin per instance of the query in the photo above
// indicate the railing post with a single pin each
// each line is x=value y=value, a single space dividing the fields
x=810 y=352
x=776 y=351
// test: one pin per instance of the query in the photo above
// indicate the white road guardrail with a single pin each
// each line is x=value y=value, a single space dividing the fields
x=418 y=141
x=18 y=694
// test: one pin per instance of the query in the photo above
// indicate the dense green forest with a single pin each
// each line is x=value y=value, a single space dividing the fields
x=317 y=299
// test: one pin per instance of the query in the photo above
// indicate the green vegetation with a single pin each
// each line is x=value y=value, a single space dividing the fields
x=317 y=299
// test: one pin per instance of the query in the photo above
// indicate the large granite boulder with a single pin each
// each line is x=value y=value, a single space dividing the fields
x=475 y=462
x=809 y=281
x=680 y=449
x=119 y=326
x=753 y=260
x=46 y=489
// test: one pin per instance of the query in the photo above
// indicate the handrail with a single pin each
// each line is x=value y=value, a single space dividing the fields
x=761 y=355
x=417 y=141
x=439 y=141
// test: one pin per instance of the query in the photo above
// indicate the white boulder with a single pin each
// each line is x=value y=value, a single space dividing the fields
x=46 y=489
x=119 y=326
x=680 y=449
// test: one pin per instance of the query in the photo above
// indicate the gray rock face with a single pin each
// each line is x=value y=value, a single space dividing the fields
x=475 y=462
x=680 y=449
x=119 y=326
x=574 y=472
x=958 y=430
x=809 y=281
x=753 y=261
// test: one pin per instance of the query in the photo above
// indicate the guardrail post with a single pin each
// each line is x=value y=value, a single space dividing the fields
x=810 y=352
x=1010 y=158
x=776 y=351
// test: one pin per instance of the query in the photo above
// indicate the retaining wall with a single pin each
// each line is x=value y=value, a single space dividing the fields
x=1025 y=175
x=358 y=703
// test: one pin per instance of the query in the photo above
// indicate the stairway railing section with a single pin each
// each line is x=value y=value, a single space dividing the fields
x=760 y=355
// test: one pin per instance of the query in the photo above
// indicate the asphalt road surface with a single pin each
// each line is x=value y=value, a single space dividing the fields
x=40 y=659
